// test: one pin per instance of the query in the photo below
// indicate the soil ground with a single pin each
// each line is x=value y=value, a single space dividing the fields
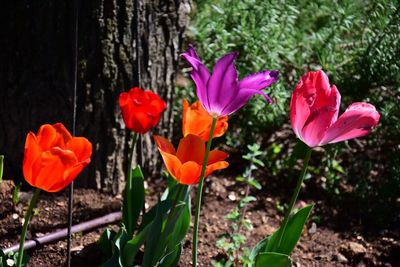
x=322 y=243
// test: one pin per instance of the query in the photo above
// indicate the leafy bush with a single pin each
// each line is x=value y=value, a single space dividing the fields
x=355 y=42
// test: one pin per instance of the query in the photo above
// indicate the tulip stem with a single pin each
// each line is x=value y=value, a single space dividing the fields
x=200 y=192
x=294 y=196
x=27 y=218
x=129 y=180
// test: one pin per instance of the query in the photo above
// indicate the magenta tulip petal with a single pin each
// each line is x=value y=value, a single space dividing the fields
x=222 y=93
x=358 y=120
x=200 y=76
x=241 y=99
x=222 y=86
x=259 y=80
x=192 y=52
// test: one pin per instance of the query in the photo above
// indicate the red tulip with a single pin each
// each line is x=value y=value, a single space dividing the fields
x=314 y=109
x=53 y=158
x=141 y=110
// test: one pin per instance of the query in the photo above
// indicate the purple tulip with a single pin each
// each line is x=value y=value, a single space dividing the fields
x=222 y=93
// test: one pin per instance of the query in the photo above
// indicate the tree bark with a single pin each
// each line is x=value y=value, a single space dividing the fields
x=36 y=76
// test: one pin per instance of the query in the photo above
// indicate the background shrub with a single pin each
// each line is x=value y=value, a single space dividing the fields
x=357 y=45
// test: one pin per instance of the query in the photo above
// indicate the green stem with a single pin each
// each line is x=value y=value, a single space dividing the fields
x=295 y=195
x=129 y=180
x=200 y=192
x=28 y=217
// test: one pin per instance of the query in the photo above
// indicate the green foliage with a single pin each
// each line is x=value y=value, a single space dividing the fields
x=11 y=259
x=161 y=230
x=355 y=42
x=295 y=36
x=15 y=196
x=274 y=252
x=233 y=243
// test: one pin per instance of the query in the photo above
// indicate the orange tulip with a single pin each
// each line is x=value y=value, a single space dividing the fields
x=185 y=164
x=53 y=158
x=197 y=121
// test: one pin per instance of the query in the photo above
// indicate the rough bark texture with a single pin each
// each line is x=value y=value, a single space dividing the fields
x=36 y=76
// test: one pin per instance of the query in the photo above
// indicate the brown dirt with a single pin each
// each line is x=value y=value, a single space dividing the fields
x=320 y=245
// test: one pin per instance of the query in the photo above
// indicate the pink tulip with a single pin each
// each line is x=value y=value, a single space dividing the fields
x=314 y=110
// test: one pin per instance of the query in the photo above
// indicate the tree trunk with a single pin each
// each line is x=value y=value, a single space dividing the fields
x=36 y=76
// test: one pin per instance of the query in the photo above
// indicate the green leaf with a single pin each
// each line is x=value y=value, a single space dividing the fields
x=133 y=199
x=258 y=248
x=150 y=257
x=180 y=222
x=254 y=183
x=272 y=259
x=119 y=242
x=15 y=196
x=2 y=259
x=292 y=233
x=164 y=206
x=172 y=258
x=132 y=247
x=244 y=201
x=105 y=243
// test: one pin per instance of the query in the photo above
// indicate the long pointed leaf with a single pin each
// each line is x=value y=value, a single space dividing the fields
x=272 y=259
x=132 y=247
x=292 y=233
x=172 y=258
x=133 y=199
x=150 y=258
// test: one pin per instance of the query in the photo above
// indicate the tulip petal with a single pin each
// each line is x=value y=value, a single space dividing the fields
x=81 y=147
x=63 y=133
x=189 y=173
x=51 y=171
x=215 y=156
x=215 y=166
x=200 y=75
x=164 y=145
x=259 y=80
x=46 y=136
x=172 y=163
x=197 y=121
x=358 y=120
x=191 y=148
x=31 y=154
x=299 y=109
x=321 y=119
x=69 y=175
x=241 y=99
x=222 y=87
x=126 y=105
x=157 y=105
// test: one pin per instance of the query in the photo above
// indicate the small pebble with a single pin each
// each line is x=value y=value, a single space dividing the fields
x=341 y=258
x=313 y=228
